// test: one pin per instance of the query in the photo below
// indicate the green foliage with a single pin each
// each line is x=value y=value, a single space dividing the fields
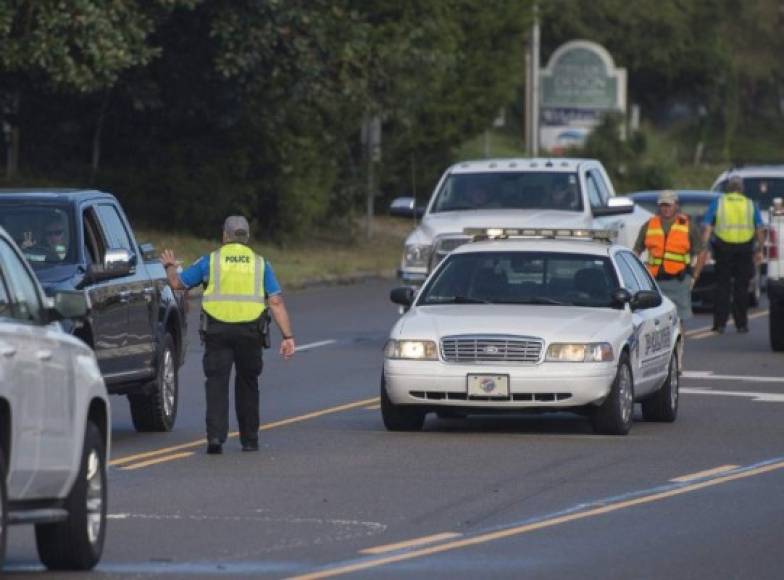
x=630 y=162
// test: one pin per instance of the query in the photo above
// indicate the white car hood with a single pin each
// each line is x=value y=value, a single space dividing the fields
x=453 y=222
x=552 y=323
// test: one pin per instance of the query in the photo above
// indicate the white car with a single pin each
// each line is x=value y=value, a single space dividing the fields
x=513 y=324
x=537 y=193
x=54 y=421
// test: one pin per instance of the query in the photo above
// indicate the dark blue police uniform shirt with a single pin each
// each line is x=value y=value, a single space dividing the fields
x=199 y=273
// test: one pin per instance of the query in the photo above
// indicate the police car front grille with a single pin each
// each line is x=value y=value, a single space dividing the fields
x=488 y=349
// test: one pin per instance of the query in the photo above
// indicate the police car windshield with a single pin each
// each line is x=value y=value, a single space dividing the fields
x=509 y=190
x=762 y=190
x=542 y=278
x=43 y=233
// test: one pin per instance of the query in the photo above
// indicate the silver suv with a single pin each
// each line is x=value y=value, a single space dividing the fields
x=54 y=421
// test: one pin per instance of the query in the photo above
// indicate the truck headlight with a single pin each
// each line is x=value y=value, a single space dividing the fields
x=411 y=349
x=580 y=352
x=416 y=255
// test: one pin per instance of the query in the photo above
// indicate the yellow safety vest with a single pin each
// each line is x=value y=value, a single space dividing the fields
x=735 y=219
x=235 y=291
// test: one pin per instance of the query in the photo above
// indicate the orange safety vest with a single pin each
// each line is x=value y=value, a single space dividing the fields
x=671 y=253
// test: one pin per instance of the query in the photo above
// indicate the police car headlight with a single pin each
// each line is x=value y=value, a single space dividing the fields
x=411 y=349
x=417 y=255
x=580 y=352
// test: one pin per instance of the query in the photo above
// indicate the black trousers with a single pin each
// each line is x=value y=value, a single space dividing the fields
x=734 y=271
x=227 y=345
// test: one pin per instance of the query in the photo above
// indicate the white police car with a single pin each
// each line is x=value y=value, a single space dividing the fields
x=534 y=319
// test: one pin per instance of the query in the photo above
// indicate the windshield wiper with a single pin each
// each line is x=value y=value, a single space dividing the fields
x=536 y=300
x=456 y=300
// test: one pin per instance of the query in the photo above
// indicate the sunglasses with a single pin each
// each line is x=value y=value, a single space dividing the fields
x=54 y=232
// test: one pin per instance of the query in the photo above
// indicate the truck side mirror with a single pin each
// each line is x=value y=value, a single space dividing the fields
x=68 y=304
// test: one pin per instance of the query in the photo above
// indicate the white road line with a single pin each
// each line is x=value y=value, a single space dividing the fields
x=315 y=345
x=709 y=376
x=757 y=397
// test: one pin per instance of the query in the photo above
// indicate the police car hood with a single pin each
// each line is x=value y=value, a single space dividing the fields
x=453 y=222
x=551 y=323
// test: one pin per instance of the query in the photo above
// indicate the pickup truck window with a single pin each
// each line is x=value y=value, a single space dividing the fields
x=22 y=286
x=5 y=302
x=509 y=190
x=43 y=233
x=597 y=190
x=113 y=228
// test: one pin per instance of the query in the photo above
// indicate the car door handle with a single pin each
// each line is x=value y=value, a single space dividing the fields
x=44 y=355
x=149 y=290
x=8 y=351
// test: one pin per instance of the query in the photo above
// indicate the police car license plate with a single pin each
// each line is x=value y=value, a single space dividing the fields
x=488 y=386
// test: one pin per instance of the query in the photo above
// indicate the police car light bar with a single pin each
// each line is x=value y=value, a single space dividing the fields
x=551 y=233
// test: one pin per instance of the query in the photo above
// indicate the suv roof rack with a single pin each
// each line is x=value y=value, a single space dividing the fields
x=479 y=234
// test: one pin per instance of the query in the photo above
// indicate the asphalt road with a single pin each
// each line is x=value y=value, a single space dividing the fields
x=332 y=493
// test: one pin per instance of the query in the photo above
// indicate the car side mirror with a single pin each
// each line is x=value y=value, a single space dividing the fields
x=646 y=299
x=621 y=297
x=68 y=304
x=405 y=207
x=116 y=263
x=615 y=206
x=404 y=296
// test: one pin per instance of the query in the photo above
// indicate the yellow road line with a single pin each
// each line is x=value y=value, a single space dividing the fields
x=705 y=331
x=701 y=474
x=265 y=427
x=158 y=460
x=411 y=543
x=518 y=530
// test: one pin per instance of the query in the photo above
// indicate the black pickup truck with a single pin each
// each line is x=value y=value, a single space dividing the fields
x=77 y=239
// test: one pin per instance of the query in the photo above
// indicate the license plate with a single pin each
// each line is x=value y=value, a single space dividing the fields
x=488 y=386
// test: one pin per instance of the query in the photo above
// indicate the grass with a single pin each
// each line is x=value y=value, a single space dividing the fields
x=321 y=259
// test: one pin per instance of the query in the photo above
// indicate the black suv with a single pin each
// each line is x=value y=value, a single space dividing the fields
x=77 y=239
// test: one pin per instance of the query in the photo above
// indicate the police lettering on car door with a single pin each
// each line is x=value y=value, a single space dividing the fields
x=656 y=350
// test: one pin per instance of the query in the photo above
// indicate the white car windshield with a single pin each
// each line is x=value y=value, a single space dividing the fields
x=546 y=278
x=43 y=233
x=760 y=189
x=509 y=190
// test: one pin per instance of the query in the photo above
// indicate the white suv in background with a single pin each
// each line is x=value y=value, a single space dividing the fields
x=54 y=421
x=513 y=193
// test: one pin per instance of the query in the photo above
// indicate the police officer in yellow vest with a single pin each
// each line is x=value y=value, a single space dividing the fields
x=672 y=243
x=240 y=285
x=734 y=220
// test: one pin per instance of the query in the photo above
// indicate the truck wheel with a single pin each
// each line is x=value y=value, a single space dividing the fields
x=156 y=410
x=663 y=406
x=399 y=417
x=77 y=543
x=776 y=325
x=614 y=415
x=3 y=510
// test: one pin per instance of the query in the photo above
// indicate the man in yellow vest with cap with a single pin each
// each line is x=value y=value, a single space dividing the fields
x=672 y=242
x=240 y=285
x=734 y=220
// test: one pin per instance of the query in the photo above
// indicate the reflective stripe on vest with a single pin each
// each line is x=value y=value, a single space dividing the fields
x=235 y=291
x=671 y=253
x=735 y=219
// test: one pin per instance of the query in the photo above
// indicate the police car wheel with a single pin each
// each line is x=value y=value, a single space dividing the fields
x=77 y=542
x=614 y=415
x=156 y=410
x=399 y=417
x=776 y=325
x=663 y=405
x=3 y=510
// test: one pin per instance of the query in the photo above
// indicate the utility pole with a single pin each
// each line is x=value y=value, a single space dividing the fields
x=532 y=87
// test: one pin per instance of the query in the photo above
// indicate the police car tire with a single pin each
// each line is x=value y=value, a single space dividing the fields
x=148 y=410
x=776 y=325
x=399 y=417
x=663 y=405
x=613 y=417
x=66 y=545
x=3 y=510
